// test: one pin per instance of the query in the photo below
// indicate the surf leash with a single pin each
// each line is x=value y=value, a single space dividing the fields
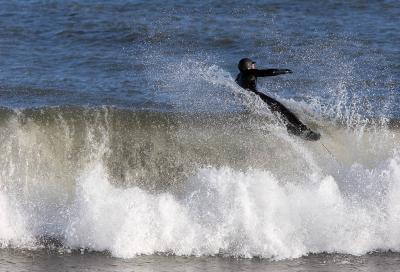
x=330 y=153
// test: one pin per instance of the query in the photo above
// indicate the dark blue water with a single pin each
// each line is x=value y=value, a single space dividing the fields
x=133 y=53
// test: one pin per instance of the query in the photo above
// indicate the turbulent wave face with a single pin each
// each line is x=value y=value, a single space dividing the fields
x=134 y=183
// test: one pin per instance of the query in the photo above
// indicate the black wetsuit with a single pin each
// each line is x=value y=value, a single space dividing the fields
x=248 y=80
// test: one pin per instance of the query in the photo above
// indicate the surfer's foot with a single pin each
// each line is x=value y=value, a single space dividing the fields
x=310 y=135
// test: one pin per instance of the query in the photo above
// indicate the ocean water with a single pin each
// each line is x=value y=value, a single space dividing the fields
x=127 y=145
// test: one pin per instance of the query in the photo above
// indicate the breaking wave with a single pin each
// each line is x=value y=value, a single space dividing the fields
x=132 y=183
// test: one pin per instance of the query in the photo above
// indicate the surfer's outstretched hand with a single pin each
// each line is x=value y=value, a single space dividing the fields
x=285 y=71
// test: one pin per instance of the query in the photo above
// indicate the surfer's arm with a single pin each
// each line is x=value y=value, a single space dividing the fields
x=270 y=72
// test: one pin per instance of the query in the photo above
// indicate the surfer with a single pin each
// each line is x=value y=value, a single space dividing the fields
x=247 y=79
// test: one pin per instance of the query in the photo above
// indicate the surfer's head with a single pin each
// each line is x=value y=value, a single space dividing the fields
x=246 y=64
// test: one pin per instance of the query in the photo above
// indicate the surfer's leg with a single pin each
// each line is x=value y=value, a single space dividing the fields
x=288 y=116
x=293 y=124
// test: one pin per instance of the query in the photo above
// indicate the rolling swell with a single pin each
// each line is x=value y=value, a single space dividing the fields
x=137 y=182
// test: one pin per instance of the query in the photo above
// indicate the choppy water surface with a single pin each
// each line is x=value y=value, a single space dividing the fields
x=45 y=261
x=127 y=145
x=154 y=54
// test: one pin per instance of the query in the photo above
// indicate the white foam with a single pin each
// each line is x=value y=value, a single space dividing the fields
x=13 y=228
x=234 y=213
